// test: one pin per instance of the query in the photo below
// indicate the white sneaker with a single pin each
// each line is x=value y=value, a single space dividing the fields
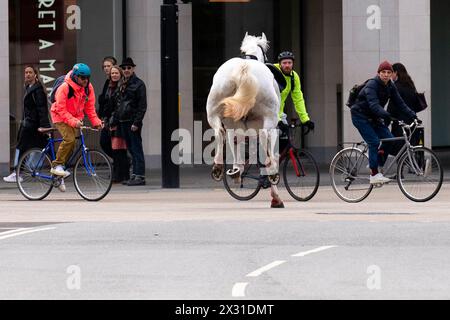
x=62 y=186
x=12 y=178
x=59 y=171
x=379 y=179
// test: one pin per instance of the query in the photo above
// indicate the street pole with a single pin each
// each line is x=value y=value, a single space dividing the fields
x=169 y=93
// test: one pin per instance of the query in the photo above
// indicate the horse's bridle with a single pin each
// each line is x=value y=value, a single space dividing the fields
x=253 y=57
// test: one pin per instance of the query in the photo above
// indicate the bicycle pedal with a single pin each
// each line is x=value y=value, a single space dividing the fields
x=265 y=183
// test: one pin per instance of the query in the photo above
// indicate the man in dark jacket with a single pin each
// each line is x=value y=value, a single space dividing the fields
x=131 y=113
x=370 y=117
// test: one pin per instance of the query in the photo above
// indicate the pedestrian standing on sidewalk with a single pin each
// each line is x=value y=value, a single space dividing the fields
x=105 y=137
x=130 y=113
x=121 y=167
x=407 y=90
x=35 y=116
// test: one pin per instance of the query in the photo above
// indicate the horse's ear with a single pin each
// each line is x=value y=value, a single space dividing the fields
x=263 y=37
x=246 y=35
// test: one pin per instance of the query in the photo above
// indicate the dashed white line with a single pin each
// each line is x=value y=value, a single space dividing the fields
x=239 y=289
x=305 y=253
x=21 y=232
x=260 y=271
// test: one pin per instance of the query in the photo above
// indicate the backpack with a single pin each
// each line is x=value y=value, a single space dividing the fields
x=354 y=93
x=58 y=82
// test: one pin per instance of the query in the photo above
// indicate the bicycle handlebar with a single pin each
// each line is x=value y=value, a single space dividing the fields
x=415 y=123
x=89 y=128
x=305 y=130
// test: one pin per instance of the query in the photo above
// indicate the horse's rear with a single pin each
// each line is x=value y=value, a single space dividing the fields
x=244 y=95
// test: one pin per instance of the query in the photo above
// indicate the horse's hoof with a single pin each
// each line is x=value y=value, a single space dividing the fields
x=217 y=172
x=275 y=179
x=277 y=204
x=233 y=173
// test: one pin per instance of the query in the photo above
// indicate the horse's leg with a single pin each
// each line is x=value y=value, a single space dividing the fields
x=276 y=200
x=217 y=169
x=236 y=143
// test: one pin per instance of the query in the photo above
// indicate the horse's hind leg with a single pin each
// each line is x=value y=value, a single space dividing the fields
x=276 y=203
x=217 y=169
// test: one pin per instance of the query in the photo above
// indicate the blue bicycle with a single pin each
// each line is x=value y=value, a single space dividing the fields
x=92 y=173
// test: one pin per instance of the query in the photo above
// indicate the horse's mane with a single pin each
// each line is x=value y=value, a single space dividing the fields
x=250 y=42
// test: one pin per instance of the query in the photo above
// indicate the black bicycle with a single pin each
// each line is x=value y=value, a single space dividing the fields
x=300 y=172
x=92 y=173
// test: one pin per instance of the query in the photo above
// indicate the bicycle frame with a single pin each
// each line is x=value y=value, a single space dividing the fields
x=50 y=149
x=407 y=147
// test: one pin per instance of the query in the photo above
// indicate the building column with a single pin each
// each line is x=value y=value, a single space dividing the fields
x=4 y=89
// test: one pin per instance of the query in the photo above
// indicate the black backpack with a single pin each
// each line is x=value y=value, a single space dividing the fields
x=354 y=93
x=58 y=82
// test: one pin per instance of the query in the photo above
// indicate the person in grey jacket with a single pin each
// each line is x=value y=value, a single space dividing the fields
x=370 y=117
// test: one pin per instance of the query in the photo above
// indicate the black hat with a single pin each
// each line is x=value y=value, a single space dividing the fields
x=127 y=62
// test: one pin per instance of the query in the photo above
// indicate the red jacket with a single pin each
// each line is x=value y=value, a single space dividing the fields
x=70 y=111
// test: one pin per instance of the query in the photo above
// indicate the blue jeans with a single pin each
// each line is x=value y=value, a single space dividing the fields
x=134 y=145
x=372 y=132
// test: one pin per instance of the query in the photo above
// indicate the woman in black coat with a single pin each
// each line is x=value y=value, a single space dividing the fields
x=35 y=116
x=407 y=90
x=112 y=97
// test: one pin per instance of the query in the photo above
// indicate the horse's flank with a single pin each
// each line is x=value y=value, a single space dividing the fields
x=239 y=105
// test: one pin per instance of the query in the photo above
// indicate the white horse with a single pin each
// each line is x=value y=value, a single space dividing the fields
x=245 y=95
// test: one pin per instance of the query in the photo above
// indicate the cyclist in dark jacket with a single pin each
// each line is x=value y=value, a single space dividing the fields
x=370 y=117
x=130 y=113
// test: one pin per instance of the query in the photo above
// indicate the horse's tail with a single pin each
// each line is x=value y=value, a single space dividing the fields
x=239 y=105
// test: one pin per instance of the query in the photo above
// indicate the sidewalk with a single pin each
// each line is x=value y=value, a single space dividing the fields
x=199 y=176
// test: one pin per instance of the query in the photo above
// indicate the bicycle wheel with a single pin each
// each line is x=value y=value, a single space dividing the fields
x=33 y=174
x=349 y=172
x=301 y=175
x=247 y=186
x=93 y=179
x=420 y=177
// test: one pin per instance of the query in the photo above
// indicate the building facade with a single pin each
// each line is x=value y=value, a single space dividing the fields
x=337 y=43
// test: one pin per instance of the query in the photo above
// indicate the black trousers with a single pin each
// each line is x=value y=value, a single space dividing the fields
x=105 y=142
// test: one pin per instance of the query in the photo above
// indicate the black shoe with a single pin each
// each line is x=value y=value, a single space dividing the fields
x=126 y=182
x=137 y=181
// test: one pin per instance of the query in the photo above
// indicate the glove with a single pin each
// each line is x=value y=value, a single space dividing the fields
x=310 y=125
x=282 y=125
x=419 y=121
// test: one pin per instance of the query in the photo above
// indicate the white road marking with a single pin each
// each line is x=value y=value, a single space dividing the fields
x=239 y=289
x=12 y=230
x=21 y=232
x=260 y=271
x=302 y=254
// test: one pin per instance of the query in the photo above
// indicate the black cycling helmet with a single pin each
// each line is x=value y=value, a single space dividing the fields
x=286 y=55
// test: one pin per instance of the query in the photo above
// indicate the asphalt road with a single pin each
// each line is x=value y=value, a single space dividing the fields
x=197 y=243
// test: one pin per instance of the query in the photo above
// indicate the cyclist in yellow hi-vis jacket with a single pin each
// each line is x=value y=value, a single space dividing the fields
x=286 y=66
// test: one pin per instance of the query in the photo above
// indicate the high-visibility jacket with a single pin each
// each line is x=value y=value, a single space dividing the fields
x=296 y=94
